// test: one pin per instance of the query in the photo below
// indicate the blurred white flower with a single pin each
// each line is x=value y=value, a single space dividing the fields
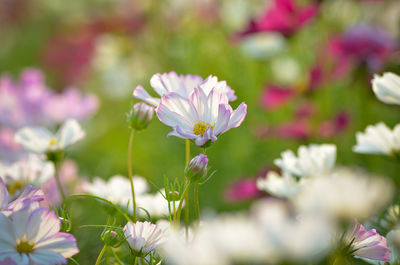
x=290 y=237
x=393 y=239
x=378 y=139
x=387 y=88
x=310 y=161
x=344 y=193
x=40 y=140
x=263 y=45
x=155 y=204
x=117 y=189
x=284 y=186
x=28 y=171
x=143 y=237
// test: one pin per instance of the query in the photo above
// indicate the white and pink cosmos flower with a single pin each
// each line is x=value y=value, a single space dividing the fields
x=368 y=243
x=183 y=85
x=32 y=236
x=202 y=117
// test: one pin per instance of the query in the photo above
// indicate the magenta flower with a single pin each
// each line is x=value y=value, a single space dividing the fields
x=58 y=106
x=242 y=190
x=285 y=16
x=32 y=237
x=368 y=244
x=362 y=44
x=183 y=85
x=275 y=96
x=29 y=196
x=202 y=117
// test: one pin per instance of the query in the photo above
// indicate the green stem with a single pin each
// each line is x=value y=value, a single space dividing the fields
x=187 y=160
x=116 y=257
x=184 y=195
x=196 y=202
x=131 y=173
x=101 y=255
x=58 y=182
x=136 y=260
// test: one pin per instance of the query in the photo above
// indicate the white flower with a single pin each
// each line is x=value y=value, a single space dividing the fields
x=290 y=237
x=33 y=237
x=312 y=160
x=155 y=204
x=344 y=193
x=143 y=237
x=263 y=45
x=378 y=139
x=284 y=186
x=40 y=140
x=387 y=88
x=183 y=85
x=202 y=117
x=117 y=189
x=28 y=171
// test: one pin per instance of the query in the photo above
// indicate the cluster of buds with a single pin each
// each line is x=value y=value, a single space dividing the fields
x=197 y=171
x=139 y=116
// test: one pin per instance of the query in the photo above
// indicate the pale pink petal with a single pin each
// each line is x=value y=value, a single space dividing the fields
x=42 y=224
x=142 y=94
x=238 y=115
x=62 y=243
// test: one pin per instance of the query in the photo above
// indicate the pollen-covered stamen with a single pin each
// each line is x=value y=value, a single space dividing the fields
x=200 y=127
x=25 y=247
x=52 y=141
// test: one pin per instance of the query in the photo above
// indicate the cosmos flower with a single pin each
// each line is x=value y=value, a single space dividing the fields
x=29 y=197
x=344 y=193
x=284 y=16
x=242 y=190
x=28 y=171
x=203 y=117
x=275 y=97
x=182 y=85
x=117 y=189
x=40 y=140
x=378 y=139
x=387 y=88
x=367 y=244
x=143 y=237
x=58 y=106
x=284 y=186
x=139 y=116
x=311 y=160
x=33 y=237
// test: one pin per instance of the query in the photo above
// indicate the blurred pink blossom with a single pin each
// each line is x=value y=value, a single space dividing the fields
x=242 y=190
x=58 y=107
x=276 y=96
x=285 y=16
x=361 y=44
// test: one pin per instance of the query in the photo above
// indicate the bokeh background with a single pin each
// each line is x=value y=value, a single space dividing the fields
x=305 y=77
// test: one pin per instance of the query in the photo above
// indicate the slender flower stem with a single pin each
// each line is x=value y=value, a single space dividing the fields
x=58 y=182
x=196 y=201
x=187 y=160
x=130 y=172
x=136 y=260
x=179 y=210
x=116 y=257
x=101 y=255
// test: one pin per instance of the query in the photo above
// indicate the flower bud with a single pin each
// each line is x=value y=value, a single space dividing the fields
x=112 y=238
x=173 y=196
x=139 y=116
x=197 y=168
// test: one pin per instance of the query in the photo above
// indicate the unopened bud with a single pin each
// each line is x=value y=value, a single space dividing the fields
x=197 y=168
x=173 y=196
x=139 y=116
x=111 y=238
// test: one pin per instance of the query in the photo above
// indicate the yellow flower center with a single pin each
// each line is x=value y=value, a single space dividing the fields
x=25 y=247
x=16 y=186
x=201 y=127
x=52 y=141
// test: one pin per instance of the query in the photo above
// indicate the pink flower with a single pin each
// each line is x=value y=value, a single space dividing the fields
x=368 y=244
x=285 y=16
x=298 y=129
x=335 y=126
x=362 y=44
x=201 y=117
x=274 y=96
x=242 y=190
x=58 y=106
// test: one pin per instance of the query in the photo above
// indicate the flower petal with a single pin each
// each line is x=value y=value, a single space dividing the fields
x=61 y=243
x=42 y=224
x=34 y=139
x=142 y=94
x=69 y=133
